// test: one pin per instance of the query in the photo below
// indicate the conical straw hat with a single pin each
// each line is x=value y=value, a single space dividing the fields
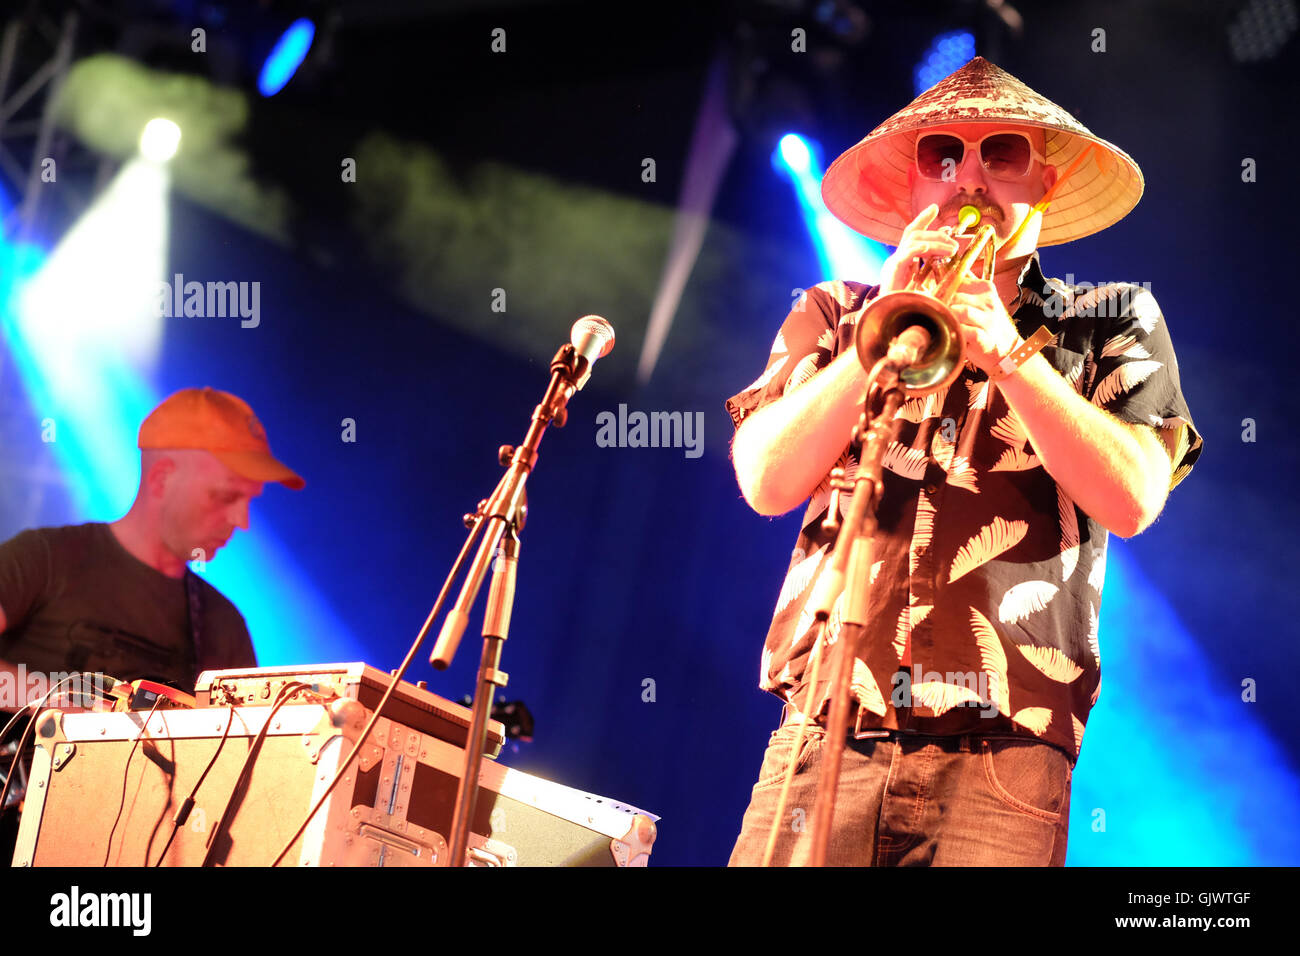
x=867 y=186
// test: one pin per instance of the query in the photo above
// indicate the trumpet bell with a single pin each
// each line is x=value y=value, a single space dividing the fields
x=889 y=315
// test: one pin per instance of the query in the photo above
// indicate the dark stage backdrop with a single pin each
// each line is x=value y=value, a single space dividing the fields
x=645 y=565
x=637 y=564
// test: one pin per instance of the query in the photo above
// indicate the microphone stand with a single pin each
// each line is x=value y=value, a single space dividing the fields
x=504 y=514
x=851 y=568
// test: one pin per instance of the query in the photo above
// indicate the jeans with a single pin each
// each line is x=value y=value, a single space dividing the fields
x=916 y=801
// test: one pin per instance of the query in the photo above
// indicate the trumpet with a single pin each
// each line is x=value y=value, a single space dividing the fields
x=924 y=303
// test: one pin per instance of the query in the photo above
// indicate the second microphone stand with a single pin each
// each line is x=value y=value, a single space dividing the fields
x=500 y=517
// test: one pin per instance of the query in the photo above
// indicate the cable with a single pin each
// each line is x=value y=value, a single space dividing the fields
x=18 y=752
x=126 y=772
x=187 y=805
x=28 y=730
x=397 y=679
x=779 y=816
x=227 y=814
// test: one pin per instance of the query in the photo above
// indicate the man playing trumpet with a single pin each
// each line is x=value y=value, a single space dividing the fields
x=980 y=660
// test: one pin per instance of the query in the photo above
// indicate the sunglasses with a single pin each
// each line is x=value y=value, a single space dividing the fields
x=1003 y=155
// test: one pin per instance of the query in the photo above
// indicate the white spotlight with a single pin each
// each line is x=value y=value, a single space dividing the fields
x=160 y=139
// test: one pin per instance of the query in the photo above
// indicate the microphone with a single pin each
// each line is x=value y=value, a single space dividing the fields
x=907 y=347
x=592 y=338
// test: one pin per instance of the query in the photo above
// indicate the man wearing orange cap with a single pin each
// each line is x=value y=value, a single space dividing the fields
x=119 y=598
x=979 y=661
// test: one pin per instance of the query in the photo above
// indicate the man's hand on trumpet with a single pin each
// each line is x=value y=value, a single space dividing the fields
x=991 y=334
x=918 y=240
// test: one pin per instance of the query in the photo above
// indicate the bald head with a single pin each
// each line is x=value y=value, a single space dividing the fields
x=191 y=501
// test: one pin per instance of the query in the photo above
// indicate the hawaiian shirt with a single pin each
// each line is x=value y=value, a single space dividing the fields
x=986 y=578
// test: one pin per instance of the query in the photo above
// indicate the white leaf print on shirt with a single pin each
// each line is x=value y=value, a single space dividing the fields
x=850 y=474
x=904 y=461
x=962 y=474
x=1051 y=663
x=993 y=659
x=1078 y=734
x=805 y=370
x=835 y=623
x=922 y=531
x=841 y=293
x=1010 y=429
x=799 y=577
x=1013 y=459
x=1098 y=573
x=939 y=697
x=993 y=539
x=822 y=494
x=1146 y=311
x=1157 y=422
x=917 y=410
x=1034 y=719
x=1093 y=644
x=909 y=617
x=1124 y=345
x=768 y=375
x=941 y=449
x=1032 y=297
x=1024 y=599
x=979 y=394
x=1069 y=522
x=1122 y=379
x=1090 y=301
x=1075 y=377
x=865 y=688
x=778 y=344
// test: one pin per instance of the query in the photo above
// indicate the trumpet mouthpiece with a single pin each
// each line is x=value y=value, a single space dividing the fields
x=968 y=217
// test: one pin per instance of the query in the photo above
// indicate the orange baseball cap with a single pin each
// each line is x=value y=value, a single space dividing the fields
x=220 y=423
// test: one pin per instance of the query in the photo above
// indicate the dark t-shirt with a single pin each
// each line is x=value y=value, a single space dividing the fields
x=75 y=599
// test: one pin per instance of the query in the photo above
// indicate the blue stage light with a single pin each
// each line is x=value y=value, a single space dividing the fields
x=794 y=151
x=81 y=377
x=948 y=52
x=841 y=252
x=286 y=56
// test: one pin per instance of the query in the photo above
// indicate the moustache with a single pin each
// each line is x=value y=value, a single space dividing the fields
x=987 y=210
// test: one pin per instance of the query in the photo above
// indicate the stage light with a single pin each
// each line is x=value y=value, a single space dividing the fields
x=286 y=56
x=1205 y=790
x=947 y=53
x=794 y=151
x=1261 y=29
x=96 y=295
x=160 y=140
x=81 y=329
x=841 y=252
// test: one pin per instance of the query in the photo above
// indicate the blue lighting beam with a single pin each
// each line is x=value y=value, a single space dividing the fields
x=841 y=252
x=285 y=57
